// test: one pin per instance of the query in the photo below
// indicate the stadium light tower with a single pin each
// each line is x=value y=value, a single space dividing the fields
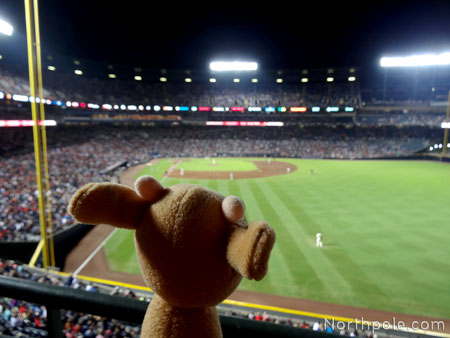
x=413 y=61
x=421 y=60
x=237 y=66
x=6 y=28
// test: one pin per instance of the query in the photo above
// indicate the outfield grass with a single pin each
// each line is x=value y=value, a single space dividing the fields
x=158 y=169
x=385 y=226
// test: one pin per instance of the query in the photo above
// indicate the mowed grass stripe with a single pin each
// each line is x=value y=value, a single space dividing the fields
x=234 y=187
x=331 y=279
x=212 y=184
x=223 y=187
x=303 y=272
x=172 y=181
x=156 y=170
x=278 y=266
x=356 y=277
x=120 y=252
x=235 y=190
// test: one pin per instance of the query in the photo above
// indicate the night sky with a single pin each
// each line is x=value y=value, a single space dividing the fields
x=284 y=37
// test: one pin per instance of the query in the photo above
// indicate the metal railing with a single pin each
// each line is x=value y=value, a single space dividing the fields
x=57 y=298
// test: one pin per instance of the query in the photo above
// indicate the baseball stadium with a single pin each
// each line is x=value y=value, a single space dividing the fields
x=347 y=168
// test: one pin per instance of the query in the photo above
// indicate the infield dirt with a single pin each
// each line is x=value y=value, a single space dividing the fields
x=264 y=169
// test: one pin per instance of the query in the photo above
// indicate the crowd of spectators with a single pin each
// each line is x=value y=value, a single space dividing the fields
x=70 y=87
x=59 y=85
x=70 y=166
x=80 y=155
x=402 y=120
x=21 y=318
x=14 y=81
x=299 y=323
x=30 y=319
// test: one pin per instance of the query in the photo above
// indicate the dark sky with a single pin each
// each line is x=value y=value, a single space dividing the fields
x=322 y=34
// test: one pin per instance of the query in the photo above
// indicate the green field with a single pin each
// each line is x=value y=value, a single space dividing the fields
x=385 y=226
x=220 y=164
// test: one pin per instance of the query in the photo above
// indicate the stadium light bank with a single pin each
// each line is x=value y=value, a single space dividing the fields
x=6 y=28
x=420 y=60
x=227 y=66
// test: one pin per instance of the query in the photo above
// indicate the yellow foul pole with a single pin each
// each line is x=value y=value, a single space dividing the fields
x=43 y=132
x=38 y=153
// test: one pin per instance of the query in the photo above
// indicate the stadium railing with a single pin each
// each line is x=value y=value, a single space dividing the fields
x=57 y=298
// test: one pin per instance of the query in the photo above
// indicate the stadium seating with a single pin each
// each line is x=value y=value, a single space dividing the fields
x=19 y=317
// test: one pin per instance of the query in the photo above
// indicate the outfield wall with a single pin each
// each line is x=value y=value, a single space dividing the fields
x=277 y=155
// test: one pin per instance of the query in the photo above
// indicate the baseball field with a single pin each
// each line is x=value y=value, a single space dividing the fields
x=385 y=226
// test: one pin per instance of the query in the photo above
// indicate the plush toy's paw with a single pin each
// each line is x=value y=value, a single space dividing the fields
x=249 y=249
x=77 y=204
x=107 y=203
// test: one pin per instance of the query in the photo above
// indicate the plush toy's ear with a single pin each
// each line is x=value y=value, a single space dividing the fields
x=249 y=249
x=107 y=203
x=149 y=188
x=233 y=209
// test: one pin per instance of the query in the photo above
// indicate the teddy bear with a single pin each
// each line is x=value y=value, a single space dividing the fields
x=193 y=245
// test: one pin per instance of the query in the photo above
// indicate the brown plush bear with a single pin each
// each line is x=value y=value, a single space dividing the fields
x=193 y=245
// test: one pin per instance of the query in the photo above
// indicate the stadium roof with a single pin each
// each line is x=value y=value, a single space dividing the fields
x=333 y=34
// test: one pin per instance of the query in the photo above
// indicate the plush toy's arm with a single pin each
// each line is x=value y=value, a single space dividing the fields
x=107 y=203
x=249 y=249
